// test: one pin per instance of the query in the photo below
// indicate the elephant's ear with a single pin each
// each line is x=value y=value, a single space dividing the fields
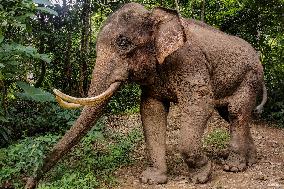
x=168 y=33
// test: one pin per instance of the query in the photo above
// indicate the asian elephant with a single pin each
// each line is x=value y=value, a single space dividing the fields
x=177 y=60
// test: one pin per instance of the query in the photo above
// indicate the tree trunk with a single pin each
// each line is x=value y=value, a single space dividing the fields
x=4 y=90
x=67 y=82
x=202 y=10
x=192 y=8
x=41 y=50
x=86 y=13
x=67 y=60
x=258 y=30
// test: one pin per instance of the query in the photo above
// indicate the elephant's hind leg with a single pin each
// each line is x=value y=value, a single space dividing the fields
x=154 y=121
x=241 y=105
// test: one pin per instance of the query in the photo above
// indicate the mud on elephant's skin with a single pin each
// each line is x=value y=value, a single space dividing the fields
x=174 y=60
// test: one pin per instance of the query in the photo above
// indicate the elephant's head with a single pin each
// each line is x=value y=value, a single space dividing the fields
x=132 y=42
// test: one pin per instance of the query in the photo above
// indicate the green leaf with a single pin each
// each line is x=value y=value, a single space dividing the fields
x=3 y=119
x=47 y=10
x=1 y=38
x=35 y=94
x=44 y=57
x=70 y=122
x=13 y=63
x=21 y=26
x=2 y=65
x=28 y=50
x=43 y=2
x=22 y=18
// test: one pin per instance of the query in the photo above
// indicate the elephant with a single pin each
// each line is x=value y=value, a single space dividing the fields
x=173 y=59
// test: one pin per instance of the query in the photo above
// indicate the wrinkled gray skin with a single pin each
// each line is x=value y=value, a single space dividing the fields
x=174 y=60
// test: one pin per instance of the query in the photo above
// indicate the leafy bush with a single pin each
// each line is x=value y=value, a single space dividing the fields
x=127 y=100
x=28 y=118
x=73 y=180
x=90 y=164
x=216 y=144
x=217 y=139
x=274 y=75
x=23 y=158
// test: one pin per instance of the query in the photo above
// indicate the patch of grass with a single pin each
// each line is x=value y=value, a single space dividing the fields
x=218 y=139
x=91 y=164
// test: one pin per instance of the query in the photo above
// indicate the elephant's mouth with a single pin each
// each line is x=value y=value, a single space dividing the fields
x=67 y=101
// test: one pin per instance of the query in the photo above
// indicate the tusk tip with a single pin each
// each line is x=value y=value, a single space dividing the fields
x=55 y=91
x=67 y=105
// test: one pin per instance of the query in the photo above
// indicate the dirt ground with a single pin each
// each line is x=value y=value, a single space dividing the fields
x=268 y=172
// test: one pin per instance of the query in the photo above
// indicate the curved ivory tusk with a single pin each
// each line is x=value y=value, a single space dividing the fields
x=91 y=101
x=67 y=105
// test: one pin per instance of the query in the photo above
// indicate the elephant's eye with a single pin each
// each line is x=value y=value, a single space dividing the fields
x=123 y=42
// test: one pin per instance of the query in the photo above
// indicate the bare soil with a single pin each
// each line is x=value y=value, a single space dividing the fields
x=267 y=173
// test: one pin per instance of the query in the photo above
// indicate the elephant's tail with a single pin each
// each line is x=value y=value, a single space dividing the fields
x=259 y=109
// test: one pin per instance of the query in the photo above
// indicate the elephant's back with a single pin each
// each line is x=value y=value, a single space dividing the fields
x=217 y=45
x=229 y=57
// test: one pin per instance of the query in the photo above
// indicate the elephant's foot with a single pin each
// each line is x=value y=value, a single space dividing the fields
x=235 y=163
x=153 y=175
x=202 y=168
x=202 y=174
x=251 y=156
x=31 y=183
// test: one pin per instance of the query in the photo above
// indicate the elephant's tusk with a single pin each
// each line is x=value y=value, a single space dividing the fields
x=67 y=105
x=91 y=101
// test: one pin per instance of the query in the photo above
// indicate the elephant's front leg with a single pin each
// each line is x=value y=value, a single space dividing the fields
x=195 y=109
x=154 y=121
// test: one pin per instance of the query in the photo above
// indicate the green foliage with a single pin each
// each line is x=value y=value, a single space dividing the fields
x=273 y=57
x=12 y=56
x=217 y=139
x=15 y=52
x=48 y=116
x=27 y=118
x=91 y=163
x=47 y=10
x=34 y=94
x=18 y=56
x=15 y=58
x=73 y=180
x=127 y=100
x=5 y=133
x=23 y=158
x=42 y=2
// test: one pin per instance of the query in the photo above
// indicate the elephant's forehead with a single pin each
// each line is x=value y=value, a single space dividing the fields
x=126 y=12
x=107 y=36
x=109 y=31
x=128 y=20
